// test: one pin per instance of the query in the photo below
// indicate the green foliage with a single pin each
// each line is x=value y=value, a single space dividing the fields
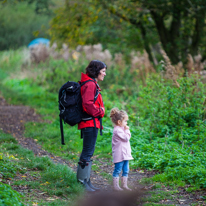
x=167 y=122
x=173 y=110
x=7 y=139
x=170 y=136
x=73 y=22
x=8 y=163
x=108 y=29
x=8 y=196
x=88 y=22
x=120 y=25
x=10 y=61
x=56 y=72
x=18 y=22
x=179 y=25
x=41 y=6
x=9 y=168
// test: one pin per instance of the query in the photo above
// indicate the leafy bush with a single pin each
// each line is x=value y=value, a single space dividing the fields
x=8 y=196
x=170 y=136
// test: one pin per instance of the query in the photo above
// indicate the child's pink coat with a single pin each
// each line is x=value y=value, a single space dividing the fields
x=121 y=149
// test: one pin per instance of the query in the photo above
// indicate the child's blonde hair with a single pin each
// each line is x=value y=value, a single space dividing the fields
x=116 y=115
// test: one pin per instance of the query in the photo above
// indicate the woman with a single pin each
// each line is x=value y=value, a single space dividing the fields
x=93 y=108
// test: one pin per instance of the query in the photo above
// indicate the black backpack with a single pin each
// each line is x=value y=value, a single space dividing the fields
x=70 y=105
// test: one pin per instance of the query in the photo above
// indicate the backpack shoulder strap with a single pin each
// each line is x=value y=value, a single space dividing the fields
x=82 y=83
x=62 y=131
x=97 y=90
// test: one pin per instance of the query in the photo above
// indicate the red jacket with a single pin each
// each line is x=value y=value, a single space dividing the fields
x=96 y=109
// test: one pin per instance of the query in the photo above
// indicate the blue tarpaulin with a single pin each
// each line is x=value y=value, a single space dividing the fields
x=39 y=41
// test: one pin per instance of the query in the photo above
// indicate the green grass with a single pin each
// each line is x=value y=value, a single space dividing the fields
x=48 y=135
x=36 y=173
x=158 y=195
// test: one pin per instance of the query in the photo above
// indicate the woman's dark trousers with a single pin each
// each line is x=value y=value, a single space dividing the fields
x=89 y=135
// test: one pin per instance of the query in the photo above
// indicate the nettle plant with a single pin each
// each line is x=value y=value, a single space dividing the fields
x=8 y=196
x=169 y=132
x=172 y=110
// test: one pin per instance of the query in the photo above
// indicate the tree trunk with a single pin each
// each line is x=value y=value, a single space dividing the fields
x=197 y=34
x=167 y=39
x=146 y=42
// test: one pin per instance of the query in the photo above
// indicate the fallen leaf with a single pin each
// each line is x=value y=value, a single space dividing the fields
x=50 y=199
x=42 y=193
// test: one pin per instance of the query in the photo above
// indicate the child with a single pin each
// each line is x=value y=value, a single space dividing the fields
x=121 y=150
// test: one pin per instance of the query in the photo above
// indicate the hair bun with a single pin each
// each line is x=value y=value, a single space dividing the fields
x=114 y=111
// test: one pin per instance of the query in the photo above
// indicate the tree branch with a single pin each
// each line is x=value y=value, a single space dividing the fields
x=137 y=24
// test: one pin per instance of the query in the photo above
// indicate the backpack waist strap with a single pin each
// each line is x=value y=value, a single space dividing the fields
x=90 y=118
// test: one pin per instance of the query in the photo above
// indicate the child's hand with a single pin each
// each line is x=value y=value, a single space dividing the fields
x=126 y=127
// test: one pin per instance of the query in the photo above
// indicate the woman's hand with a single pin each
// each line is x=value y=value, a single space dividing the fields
x=103 y=109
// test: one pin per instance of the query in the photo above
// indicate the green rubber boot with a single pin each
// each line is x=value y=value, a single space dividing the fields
x=82 y=175
x=88 y=178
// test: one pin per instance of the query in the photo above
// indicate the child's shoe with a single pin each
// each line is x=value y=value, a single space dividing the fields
x=124 y=183
x=116 y=186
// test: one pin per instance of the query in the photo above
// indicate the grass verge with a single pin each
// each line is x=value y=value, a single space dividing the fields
x=36 y=179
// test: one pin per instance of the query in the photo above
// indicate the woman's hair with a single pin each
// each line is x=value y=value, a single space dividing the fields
x=117 y=114
x=94 y=67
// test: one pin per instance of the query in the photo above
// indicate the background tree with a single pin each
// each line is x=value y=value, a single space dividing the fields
x=86 y=22
x=72 y=22
x=41 y=6
x=23 y=20
x=178 y=25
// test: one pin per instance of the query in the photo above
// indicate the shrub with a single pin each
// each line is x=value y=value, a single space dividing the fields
x=8 y=196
